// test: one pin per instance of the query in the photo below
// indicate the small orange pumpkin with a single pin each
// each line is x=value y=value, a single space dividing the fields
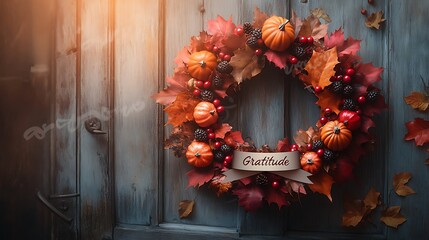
x=277 y=33
x=205 y=114
x=335 y=135
x=199 y=154
x=311 y=162
x=201 y=64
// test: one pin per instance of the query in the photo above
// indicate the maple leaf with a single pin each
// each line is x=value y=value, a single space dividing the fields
x=232 y=42
x=185 y=208
x=374 y=20
x=259 y=18
x=418 y=100
x=220 y=29
x=311 y=26
x=399 y=181
x=296 y=22
x=372 y=199
x=197 y=177
x=391 y=217
x=354 y=212
x=176 y=85
x=182 y=57
x=250 y=197
x=199 y=43
x=182 y=109
x=274 y=196
x=320 y=13
x=222 y=130
x=220 y=187
x=234 y=138
x=418 y=130
x=366 y=124
x=302 y=138
x=320 y=68
x=283 y=145
x=245 y=64
x=278 y=58
x=180 y=138
x=344 y=47
x=329 y=99
x=322 y=183
x=367 y=74
x=376 y=107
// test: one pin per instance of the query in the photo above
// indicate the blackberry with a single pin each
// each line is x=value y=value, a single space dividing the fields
x=347 y=90
x=371 y=96
x=257 y=33
x=337 y=86
x=201 y=135
x=252 y=42
x=226 y=148
x=219 y=156
x=224 y=67
x=317 y=145
x=261 y=179
x=217 y=82
x=328 y=155
x=349 y=104
x=247 y=27
x=207 y=95
x=299 y=52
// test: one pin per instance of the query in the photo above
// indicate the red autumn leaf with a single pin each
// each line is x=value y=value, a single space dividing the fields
x=182 y=109
x=259 y=18
x=376 y=107
x=418 y=130
x=322 y=183
x=234 y=138
x=221 y=29
x=278 y=58
x=176 y=85
x=274 y=196
x=222 y=130
x=250 y=197
x=392 y=218
x=182 y=57
x=296 y=22
x=328 y=99
x=199 y=43
x=355 y=150
x=320 y=68
x=366 y=124
x=199 y=176
x=283 y=145
x=311 y=26
x=418 y=101
x=367 y=74
x=350 y=46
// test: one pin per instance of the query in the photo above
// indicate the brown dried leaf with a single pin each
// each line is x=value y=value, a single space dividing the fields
x=399 y=181
x=302 y=137
x=320 y=13
x=219 y=187
x=374 y=20
x=311 y=26
x=180 y=138
x=354 y=212
x=372 y=199
x=259 y=18
x=392 y=218
x=185 y=208
x=417 y=100
x=296 y=22
x=320 y=68
x=246 y=64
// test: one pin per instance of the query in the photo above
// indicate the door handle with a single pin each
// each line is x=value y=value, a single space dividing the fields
x=93 y=126
x=53 y=209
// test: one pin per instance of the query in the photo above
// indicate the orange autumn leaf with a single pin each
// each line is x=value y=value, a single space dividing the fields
x=399 y=181
x=327 y=99
x=322 y=183
x=417 y=100
x=372 y=199
x=354 y=212
x=185 y=208
x=320 y=68
x=392 y=218
x=182 y=109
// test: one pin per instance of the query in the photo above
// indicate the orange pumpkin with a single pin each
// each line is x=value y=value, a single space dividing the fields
x=311 y=162
x=278 y=34
x=335 y=135
x=205 y=114
x=199 y=154
x=201 y=64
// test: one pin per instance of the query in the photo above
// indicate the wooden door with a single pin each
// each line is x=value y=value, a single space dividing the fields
x=113 y=55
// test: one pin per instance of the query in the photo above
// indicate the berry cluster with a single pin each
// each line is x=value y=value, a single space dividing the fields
x=301 y=50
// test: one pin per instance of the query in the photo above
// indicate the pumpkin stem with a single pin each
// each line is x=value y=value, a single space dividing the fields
x=310 y=161
x=202 y=64
x=337 y=130
x=212 y=112
x=197 y=154
x=283 y=25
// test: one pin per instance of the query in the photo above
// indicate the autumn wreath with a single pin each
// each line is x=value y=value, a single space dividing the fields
x=217 y=61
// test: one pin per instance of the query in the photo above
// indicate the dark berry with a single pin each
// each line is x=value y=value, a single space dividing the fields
x=252 y=42
x=247 y=27
x=349 y=104
x=371 y=96
x=299 y=52
x=224 y=67
x=337 y=86
x=207 y=96
x=219 y=156
x=347 y=90
x=201 y=135
x=328 y=155
x=317 y=145
x=217 y=82
x=257 y=33
x=261 y=179
x=226 y=149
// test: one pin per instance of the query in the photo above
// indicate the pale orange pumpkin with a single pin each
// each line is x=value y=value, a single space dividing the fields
x=335 y=135
x=311 y=162
x=199 y=154
x=278 y=34
x=201 y=64
x=205 y=114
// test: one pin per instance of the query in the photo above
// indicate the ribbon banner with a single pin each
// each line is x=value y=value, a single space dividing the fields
x=285 y=164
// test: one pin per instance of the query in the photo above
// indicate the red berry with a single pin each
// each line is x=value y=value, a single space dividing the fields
x=199 y=84
x=258 y=52
x=209 y=130
x=227 y=57
x=328 y=111
x=359 y=112
x=294 y=146
x=216 y=102
x=212 y=135
x=217 y=144
x=221 y=55
x=361 y=99
x=207 y=84
x=225 y=164
x=370 y=1
x=310 y=40
x=239 y=31
x=293 y=60
x=347 y=79
x=320 y=152
x=323 y=120
x=197 y=92
x=216 y=49
x=220 y=109
x=228 y=159
x=275 y=184
x=363 y=11
x=303 y=40
x=210 y=48
x=318 y=89
x=293 y=149
x=309 y=146
x=260 y=42
x=333 y=79
x=350 y=72
x=339 y=77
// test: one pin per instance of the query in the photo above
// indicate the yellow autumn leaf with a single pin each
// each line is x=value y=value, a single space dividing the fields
x=417 y=100
x=185 y=208
x=374 y=20
x=320 y=68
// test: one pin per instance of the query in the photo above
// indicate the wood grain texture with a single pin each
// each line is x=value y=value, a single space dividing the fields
x=136 y=73
x=95 y=179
